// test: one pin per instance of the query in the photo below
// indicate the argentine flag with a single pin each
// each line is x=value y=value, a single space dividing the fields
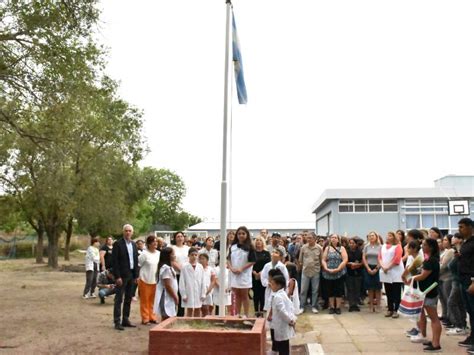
x=238 y=67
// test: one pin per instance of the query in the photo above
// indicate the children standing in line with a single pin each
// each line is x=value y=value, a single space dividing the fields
x=275 y=264
x=192 y=285
x=209 y=275
x=281 y=317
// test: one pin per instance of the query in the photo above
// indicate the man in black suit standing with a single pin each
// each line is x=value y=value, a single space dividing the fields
x=125 y=269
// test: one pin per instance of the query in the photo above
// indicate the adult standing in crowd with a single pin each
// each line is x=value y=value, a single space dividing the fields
x=390 y=260
x=92 y=268
x=125 y=269
x=466 y=275
x=354 y=275
x=181 y=252
x=106 y=254
x=240 y=261
x=456 y=308
x=310 y=260
x=212 y=253
x=445 y=278
x=372 y=283
x=276 y=244
x=435 y=233
x=148 y=262
x=334 y=262
x=262 y=257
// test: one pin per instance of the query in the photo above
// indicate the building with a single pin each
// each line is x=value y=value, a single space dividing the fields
x=284 y=228
x=357 y=211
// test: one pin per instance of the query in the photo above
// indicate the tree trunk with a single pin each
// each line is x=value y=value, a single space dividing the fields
x=68 y=238
x=53 y=246
x=39 y=247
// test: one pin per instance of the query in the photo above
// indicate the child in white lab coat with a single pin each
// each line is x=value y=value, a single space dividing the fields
x=209 y=275
x=275 y=264
x=281 y=317
x=227 y=291
x=192 y=285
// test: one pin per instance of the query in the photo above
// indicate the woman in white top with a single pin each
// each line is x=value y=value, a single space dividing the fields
x=240 y=261
x=390 y=259
x=92 y=268
x=181 y=251
x=166 y=296
x=191 y=285
x=148 y=263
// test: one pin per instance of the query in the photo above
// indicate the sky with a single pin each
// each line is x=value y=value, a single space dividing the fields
x=341 y=94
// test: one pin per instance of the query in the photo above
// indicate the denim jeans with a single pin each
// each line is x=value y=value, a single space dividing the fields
x=305 y=282
x=456 y=309
x=103 y=292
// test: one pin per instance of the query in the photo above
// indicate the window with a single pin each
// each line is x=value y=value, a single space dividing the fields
x=428 y=220
x=413 y=221
x=364 y=206
x=442 y=221
x=390 y=205
x=427 y=213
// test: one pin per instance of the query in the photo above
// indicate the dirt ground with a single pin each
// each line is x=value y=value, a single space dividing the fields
x=42 y=312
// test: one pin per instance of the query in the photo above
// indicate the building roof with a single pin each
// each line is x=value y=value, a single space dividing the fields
x=270 y=226
x=394 y=193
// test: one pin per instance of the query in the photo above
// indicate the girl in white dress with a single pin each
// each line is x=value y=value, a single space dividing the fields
x=215 y=290
x=293 y=290
x=192 y=286
x=166 y=295
x=240 y=261
x=181 y=251
x=281 y=317
x=209 y=275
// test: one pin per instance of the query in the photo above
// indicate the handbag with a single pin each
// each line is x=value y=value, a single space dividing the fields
x=412 y=301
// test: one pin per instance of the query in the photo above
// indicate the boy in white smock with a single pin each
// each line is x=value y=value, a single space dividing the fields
x=209 y=275
x=192 y=286
x=275 y=264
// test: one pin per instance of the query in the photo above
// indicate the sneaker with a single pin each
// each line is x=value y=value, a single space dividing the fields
x=331 y=310
x=85 y=297
x=337 y=311
x=351 y=309
x=135 y=299
x=466 y=343
x=427 y=343
x=356 y=309
x=432 y=349
x=412 y=332
x=456 y=331
x=417 y=338
x=92 y=295
x=314 y=310
x=470 y=350
x=395 y=315
x=449 y=326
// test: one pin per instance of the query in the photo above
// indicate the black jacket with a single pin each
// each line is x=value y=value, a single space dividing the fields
x=121 y=261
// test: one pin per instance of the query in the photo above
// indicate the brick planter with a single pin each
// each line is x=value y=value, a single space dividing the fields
x=167 y=338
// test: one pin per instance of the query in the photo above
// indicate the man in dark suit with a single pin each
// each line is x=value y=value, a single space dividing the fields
x=125 y=269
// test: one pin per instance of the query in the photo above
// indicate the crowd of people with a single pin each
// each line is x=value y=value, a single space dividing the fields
x=284 y=276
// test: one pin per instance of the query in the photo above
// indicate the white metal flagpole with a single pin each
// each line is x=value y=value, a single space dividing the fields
x=227 y=98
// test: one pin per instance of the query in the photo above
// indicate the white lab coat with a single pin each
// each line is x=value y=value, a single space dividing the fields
x=213 y=255
x=208 y=272
x=295 y=299
x=282 y=315
x=238 y=259
x=192 y=286
x=264 y=281
x=215 y=290
x=166 y=272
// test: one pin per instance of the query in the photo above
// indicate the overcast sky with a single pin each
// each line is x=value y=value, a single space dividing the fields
x=341 y=94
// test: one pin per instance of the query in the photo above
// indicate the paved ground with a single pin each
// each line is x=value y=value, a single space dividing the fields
x=362 y=333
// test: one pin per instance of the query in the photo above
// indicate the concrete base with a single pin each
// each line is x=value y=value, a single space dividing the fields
x=165 y=340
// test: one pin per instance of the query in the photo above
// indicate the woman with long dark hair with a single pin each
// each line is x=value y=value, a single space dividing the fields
x=428 y=276
x=240 y=261
x=166 y=296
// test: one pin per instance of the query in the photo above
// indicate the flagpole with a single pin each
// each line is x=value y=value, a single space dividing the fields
x=223 y=235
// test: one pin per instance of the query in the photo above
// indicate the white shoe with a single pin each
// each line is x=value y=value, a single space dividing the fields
x=134 y=299
x=456 y=331
x=92 y=295
x=314 y=310
x=85 y=297
x=417 y=338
